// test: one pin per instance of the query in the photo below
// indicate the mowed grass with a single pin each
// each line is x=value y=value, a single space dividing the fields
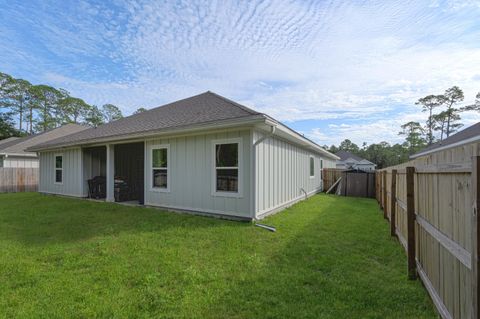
x=331 y=257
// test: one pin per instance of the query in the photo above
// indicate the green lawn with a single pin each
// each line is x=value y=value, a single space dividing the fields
x=331 y=257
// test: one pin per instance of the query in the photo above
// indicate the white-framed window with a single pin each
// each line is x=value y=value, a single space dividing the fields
x=312 y=167
x=159 y=168
x=227 y=167
x=58 y=169
x=1 y=161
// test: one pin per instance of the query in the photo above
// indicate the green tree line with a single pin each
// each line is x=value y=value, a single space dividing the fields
x=28 y=109
x=443 y=118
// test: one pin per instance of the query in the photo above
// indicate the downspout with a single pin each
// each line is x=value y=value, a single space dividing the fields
x=254 y=167
x=272 y=132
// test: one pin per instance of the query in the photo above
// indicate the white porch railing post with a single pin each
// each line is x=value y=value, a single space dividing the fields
x=110 y=173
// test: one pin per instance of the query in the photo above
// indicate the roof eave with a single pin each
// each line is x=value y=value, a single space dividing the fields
x=250 y=120
x=445 y=147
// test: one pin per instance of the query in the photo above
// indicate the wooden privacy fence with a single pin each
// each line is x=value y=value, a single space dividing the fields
x=15 y=179
x=431 y=206
x=330 y=176
x=353 y=183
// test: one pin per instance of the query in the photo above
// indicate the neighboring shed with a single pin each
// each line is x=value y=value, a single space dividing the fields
x=350 y=161
x=204 y=154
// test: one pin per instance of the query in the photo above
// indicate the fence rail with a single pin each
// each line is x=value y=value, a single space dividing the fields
x=431 y=205
x=16 y=179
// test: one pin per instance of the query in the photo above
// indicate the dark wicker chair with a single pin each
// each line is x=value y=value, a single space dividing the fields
x=97 y=187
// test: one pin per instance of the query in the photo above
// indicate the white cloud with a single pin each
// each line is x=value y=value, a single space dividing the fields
x=299 y=60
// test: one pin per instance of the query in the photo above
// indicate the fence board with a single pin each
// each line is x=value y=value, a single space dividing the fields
x=330 y=176
x=446 y=234
x=17 y=179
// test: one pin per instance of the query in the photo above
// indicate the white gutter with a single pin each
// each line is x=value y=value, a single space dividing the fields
x=445 y=147
x=273 y=128
x=254 y=169
x=18 y=155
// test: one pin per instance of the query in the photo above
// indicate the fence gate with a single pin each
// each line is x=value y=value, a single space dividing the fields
x=352 y=183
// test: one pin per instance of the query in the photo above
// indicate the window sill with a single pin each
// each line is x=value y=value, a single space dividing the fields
x=227 y=194
x=160 y=190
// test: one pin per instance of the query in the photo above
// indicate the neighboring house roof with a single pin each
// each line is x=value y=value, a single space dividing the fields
x=194 y=112
x=468 y=135
x=8 y=141
x=344 y=155
x=18 y=147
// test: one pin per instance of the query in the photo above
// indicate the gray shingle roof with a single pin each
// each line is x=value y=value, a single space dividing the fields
x=465 y=134
x=344 y=155
x=19 y=146
x=8 y=141
x=203 y=108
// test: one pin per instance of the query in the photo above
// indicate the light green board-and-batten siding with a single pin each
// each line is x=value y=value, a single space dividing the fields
x=73 y=183
x=282 y=170
x=191 y=175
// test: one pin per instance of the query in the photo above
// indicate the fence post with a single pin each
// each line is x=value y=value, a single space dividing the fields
x=393 y=201
x=475 y=235
x=412 y=268
x=385 y=195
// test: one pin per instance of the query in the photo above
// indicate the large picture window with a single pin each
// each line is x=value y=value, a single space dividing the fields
x=159 y=168
x=58 y=169
x=227 y=167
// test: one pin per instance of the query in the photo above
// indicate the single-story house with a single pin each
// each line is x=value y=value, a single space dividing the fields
x=204 y=154
x=351 y=161
x=13 y=149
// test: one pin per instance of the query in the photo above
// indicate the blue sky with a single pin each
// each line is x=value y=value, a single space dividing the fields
x=329 y=69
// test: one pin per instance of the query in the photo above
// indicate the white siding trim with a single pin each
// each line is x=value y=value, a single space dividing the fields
x=200 y=211
x=282 y=206
x=238 y=194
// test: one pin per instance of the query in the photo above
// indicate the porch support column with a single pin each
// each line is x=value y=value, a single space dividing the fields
x=110 y=173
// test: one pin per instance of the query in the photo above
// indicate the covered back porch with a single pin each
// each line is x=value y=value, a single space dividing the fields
x=115 y=172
